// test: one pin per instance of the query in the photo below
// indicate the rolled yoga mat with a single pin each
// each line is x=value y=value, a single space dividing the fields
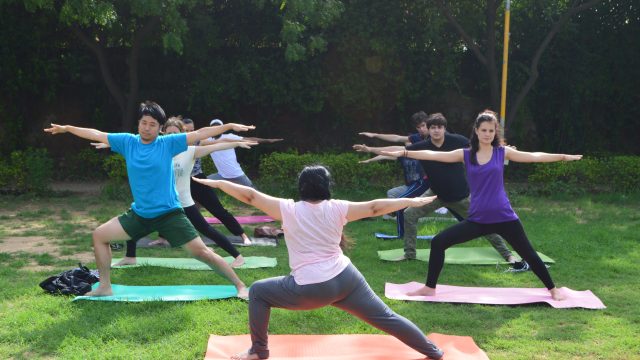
x=344 y=347
x=164 y=293
x=495 y=296
x=459 y=255
x=250 y=262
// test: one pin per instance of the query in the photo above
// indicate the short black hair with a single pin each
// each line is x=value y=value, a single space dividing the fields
x=314 y=183
x=152 y=109
x=436 y=119
x=187 y=121
x=418 y=118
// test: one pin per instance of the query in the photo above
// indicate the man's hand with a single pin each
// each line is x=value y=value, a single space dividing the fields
x=368 y=134
x=56 y=129
x=100 y=145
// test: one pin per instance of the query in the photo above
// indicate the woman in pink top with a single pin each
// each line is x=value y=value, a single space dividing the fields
x=321 y=274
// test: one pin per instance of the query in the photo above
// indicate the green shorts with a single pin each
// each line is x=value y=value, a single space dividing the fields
x=174 y=226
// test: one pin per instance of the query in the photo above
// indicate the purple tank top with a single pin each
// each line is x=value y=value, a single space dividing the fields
x=489 y=202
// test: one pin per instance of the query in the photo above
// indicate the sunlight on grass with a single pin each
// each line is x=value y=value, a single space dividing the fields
x=592 y=238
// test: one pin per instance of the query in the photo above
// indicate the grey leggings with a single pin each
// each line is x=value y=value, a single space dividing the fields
x=348 y=291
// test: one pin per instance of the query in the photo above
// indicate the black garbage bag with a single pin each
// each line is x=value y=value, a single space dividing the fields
x=76 y=281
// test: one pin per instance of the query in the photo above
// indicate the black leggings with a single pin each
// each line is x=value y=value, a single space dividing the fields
x=198 y=221
x=511 y=231
x=208 y=198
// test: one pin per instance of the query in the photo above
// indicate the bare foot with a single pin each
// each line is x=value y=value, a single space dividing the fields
x=100 y=291
x=245 y=356
x=159 y=242
x=557 y=295
x=243 y=293
x=126 y=261
x=246 y=239
x=423 y=291
x=237 y=262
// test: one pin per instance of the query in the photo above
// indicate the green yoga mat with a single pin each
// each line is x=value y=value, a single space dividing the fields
x=164 y=293
x=250 y=262
x=459 y=255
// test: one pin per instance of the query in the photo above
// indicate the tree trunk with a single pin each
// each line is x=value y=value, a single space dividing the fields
x=533 y=68
x=487 y=59
x=126 y=102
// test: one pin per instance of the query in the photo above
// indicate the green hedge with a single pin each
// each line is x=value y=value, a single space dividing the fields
x=279 y=172
x=27 y=171
x=619 y=174
x=117 y=187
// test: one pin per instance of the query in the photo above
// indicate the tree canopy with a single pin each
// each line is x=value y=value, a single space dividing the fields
x=317 y=72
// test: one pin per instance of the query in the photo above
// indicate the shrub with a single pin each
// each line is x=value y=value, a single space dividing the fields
x=86 y=164
x=615 y=173
x=117 y=187
x=279 y=171
x=27 y=171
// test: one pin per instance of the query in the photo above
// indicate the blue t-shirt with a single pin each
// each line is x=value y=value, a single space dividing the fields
x=150 y=171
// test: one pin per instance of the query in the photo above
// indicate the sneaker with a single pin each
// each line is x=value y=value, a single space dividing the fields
x=519 y=266
x=116 y=246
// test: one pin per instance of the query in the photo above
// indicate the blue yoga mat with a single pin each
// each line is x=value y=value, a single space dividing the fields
x=164 y=293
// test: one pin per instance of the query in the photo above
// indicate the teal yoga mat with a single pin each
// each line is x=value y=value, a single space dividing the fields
x=250 y=262
x=165 y=293
x=459 y=255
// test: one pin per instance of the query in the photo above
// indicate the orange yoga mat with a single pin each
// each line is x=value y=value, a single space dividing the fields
x=344 y=347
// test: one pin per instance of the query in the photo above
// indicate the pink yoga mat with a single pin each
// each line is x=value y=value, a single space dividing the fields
x=344 y=347
x=245 y=219
x=495 y=296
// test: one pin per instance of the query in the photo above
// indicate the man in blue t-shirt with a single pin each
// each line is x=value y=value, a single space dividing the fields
x=447 y=181
x=155 y=207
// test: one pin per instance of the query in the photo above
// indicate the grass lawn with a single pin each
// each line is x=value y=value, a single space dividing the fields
x=594 y=240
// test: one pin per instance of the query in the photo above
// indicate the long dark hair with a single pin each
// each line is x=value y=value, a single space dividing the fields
x=314 y=184
x=485 y=116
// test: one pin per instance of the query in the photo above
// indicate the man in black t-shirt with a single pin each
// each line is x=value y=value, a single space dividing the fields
x=448 y=181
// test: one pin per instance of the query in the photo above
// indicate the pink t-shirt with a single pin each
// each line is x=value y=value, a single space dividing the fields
x=312 y=233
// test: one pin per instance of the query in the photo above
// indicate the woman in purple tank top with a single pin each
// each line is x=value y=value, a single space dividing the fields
x=490 y=210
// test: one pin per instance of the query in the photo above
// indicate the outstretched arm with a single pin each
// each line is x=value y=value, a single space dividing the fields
x=208 y=149
x=376 y=158
x=441 y=156
x=85 y=133
x=359 y=210
x=211 y=131
x=261 y=140
x=269 y=204
x=386 y=137
x=376 y=150
x=530 y=157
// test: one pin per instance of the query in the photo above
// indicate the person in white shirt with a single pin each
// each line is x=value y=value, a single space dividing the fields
x=226 y=162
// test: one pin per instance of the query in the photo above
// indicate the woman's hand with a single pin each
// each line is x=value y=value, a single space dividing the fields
x=360 y=148
x=210 y=183
x=247 y=144
x=421 y=201
x=240 y=127
x=395 y=154
x=566 y=157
